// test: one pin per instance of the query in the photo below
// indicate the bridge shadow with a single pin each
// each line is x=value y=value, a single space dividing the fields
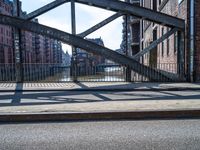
x=16 y=100
x=83 y=86
x=20 y=98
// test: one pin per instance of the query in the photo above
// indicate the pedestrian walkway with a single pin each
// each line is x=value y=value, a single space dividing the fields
x=97 y=86
x=97 y=101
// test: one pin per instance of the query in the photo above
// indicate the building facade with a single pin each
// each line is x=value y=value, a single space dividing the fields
x=35 y=48
x=194 y=35
x=165 y=55
x=131 y=33
x=86 y=62
x=66 y=59
x=6 y=35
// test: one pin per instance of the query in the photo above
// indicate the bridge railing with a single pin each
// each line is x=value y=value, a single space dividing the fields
x=102 y=73
x=7 y=73
x=46 y=73
x=98 y=73
x=169 y=69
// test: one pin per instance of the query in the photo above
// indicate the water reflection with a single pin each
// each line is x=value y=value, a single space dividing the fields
x=105 y=74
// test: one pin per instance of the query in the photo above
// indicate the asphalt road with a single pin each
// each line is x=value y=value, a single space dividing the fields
x=110 y=135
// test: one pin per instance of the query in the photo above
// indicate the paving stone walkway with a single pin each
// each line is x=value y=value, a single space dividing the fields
x=96 y=85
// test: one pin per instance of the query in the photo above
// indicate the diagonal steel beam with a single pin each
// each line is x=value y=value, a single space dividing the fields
x=99 y=25
x=45 y=9
x=84 y=44
x=118 y=6
x=154 y=44
x=138 y=11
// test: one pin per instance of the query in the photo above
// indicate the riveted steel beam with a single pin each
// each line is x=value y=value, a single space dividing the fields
x=90 y=47
x=45 y=9
x=138 y=11
x=181 y=54
x=74 y=50
x=100 y=25
x=154 y=44
x=119 y=6
x=18 y=46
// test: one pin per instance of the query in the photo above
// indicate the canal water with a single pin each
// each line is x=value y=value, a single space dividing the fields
x=108 y=74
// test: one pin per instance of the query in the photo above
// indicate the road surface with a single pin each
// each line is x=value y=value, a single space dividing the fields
x=110 y=135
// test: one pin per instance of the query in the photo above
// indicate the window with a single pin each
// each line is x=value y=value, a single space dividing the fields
x=168 y=40
x=175 y=42
x=1 y=30
x=162 y=48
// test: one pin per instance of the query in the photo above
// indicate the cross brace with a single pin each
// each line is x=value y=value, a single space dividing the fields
x=138 y=11
x=90 y=47
x=45 y=9
x=57 y=3
x=154 y=44
x=99 y=25
x=119 y=6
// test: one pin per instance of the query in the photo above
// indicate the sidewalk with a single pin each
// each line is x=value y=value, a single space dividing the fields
x=86 y=104
x=93 y=86
x=50 y=101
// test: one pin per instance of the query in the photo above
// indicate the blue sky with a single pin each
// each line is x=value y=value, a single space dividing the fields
x=86 y=17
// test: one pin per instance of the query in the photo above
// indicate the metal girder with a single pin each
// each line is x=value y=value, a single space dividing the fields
x=74 y=50
x=138 y=11
x=18 y=46
x=119 y=6
x=90 y=47
x=181 y=54
x=99 y=25
x=155 y=43
x=45 y=9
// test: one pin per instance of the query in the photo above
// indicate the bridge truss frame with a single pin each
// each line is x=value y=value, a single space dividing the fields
x=78 y=41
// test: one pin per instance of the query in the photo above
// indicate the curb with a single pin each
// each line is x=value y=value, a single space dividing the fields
x=90 y=116
x=112 y=90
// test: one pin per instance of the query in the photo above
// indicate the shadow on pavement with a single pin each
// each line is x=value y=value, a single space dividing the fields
x=64 y=97
x=17 y=96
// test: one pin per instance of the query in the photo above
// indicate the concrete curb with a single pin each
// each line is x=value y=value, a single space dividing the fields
x=137 y=115
x=109 y=90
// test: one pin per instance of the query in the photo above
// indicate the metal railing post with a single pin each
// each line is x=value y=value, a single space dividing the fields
x=181 y=55
x=74 y=50
x=128 y=70
x=17 y=45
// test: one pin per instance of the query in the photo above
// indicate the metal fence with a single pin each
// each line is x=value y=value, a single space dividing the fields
x=168 y=69
x=99 y=73
x=197 y=69
x=60 y=73
x=46 y=73
x=102 y=73
x=7 y=73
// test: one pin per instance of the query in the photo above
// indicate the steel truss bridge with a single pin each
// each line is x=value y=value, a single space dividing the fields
x=78 y=41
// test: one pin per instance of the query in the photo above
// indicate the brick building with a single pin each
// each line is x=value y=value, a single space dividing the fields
x=165 y=55
x=166 y=52
x=35 y=48
x=66 y=59
x=87 y=61
x=6 y=35
x=131 y=28
x=195 y=38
